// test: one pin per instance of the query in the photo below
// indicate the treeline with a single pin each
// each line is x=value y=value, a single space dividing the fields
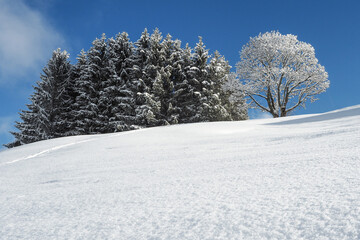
x=118 y=85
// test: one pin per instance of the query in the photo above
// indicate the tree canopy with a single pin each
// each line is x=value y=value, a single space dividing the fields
x=280 y=73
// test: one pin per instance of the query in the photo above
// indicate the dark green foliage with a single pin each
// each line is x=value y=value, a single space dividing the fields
x=117 y=86
x=47 y=114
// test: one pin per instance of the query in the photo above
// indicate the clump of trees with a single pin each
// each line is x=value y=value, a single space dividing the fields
x=280 y=73
x=118 y=85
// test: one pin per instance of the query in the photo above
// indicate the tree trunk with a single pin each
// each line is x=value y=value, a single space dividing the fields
x=274 y=114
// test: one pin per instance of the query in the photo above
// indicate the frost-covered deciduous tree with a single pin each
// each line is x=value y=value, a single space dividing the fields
x=280 y=73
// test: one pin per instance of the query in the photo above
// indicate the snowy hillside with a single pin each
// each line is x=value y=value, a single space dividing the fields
x=290 y=178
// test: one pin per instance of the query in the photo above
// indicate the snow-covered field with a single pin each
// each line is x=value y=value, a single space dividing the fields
x=290 y=178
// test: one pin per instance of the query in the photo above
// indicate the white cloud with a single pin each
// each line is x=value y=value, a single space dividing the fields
x=26 y=39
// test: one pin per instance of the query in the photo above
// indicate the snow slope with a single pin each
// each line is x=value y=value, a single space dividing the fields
x=290 y=178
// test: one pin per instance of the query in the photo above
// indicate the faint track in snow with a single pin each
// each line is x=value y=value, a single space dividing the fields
x=44 y=152
x=67 y=145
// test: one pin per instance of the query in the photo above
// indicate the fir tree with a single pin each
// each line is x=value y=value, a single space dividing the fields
x=217 y=102
x=200 y=79
x=226 y=89
x=184 y=88
x=78 y=73
x=93 y=109
x=146 y=62
x=161 y=91
x=48 y=113
x=27 y=132
x=234 y=98
x=119 y=90
x=193 y=101
x=170 y=73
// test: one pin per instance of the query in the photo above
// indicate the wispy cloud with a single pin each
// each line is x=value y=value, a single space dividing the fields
x=26 y=39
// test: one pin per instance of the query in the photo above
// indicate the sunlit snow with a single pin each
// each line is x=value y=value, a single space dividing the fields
x=289 y=178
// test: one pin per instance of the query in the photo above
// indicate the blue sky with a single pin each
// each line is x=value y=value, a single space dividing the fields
x=31 y=29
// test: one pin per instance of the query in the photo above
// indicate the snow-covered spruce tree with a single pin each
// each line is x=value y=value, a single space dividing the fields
x=118 y=91
x=76 y=77
x=168 y=74
x=214 y=98
x=199 y=81
x=280 y=73
x=234 y=98
x=185 y=88
x=92 y=108
x=175 y=62
x=69 y=101
x=56 y=96
x=138 y=61
x=228 y=103
x=199 y=93
x=145 y=65
x=161 y=91
x=27 y=132
x=200 y=88
x=48 y=113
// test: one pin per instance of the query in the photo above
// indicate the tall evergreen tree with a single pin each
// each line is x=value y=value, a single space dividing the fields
x=146 y=64
x=69 y=101
x=201 y=80
x=48 y=113
x=179 y=60
x=161 y=91
x=93 y=110
x=78 y=74
x=119 y=91
x=192 y=90
x=234 y=98
x=138 y=61
x=227 y=90
x=27 y=132
x=55 y=96
x=169 y=74
x=217 y=102
x=184 y=87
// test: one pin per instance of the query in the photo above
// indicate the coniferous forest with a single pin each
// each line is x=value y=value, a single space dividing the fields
x=118 y=85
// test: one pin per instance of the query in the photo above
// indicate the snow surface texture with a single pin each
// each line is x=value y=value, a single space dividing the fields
x=290 y=178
